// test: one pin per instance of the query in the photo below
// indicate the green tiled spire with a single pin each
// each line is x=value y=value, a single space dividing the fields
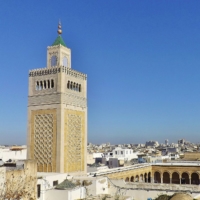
x=58 y=41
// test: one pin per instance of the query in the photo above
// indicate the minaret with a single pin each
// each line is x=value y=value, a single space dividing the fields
x=57 y=113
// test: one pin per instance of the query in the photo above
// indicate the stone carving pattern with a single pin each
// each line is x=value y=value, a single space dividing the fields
x=74 y=141
x=43 y=140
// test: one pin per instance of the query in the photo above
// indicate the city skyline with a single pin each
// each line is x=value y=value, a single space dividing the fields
x=141 y=59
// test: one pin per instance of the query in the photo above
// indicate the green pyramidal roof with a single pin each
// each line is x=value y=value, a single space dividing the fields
x=66 y=184
x=58 y=41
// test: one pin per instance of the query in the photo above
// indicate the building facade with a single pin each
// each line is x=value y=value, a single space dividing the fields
x=57 y=113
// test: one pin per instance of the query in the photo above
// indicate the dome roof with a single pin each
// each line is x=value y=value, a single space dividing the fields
x=181 y=196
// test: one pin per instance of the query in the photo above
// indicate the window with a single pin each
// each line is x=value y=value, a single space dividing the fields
x=116 y=152
x=65 y=61
x=38 y=190
x=121 y=152
x=52 y=83
x=74 y=86
x=55 y=183
x=53 y=61
x=37 y=85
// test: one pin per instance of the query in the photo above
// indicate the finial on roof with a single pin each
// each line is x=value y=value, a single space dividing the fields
x=59 y=28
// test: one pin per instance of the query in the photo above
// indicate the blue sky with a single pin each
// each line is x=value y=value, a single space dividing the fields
x=141 y=57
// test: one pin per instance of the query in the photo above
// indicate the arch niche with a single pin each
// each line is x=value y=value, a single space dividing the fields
x=185 y=178
x=166 y=177
x=157 y=177
x=195 y=179
x=175 y=178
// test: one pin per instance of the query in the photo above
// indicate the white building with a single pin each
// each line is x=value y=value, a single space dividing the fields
x=13 y=153
x=46 y=187
x=122 y=154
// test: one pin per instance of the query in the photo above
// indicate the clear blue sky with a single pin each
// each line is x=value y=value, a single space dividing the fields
x=142 y=59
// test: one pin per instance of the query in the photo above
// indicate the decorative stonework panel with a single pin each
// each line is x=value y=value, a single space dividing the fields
x=43 y=139
x=74 y=141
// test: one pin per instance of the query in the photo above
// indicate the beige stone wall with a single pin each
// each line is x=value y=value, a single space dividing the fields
x=191 y=156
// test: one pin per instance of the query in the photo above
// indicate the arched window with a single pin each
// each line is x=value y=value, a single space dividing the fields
x=52 y=83
x=53 y=61
x=37 y=85
x=41 y=86
x=71 y=85
x=74 y=86
x=45 y=85
x=65 y=61
x=79 y=87
x=48 y=84
x=68 y=84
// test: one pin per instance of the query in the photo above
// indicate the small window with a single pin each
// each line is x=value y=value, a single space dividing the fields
x=45 y=85
x=53 y=61
x=65 y=61
x=38 y=190
x=115 y=152
x=41 y=86
x=52 y=83
x=121 y=152
x=37 y=86
x=79 y=87
x=48 y=84
x=55 y=183
x=68 y=84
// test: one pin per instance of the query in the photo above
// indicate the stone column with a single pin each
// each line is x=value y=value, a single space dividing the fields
x=180 y=181
x=170 y=180
x=190 y=181
x=161 y=180
x=152 y=180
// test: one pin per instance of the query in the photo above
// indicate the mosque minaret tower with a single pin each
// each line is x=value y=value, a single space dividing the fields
x=57 y=113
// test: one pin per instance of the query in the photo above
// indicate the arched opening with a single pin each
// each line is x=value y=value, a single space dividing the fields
x=65 y=61
x=145 y=178
x=53 y=61
x=68 y=84
x=48 y=84
x=175 y=178
x=149 y=177
x=141 y=177
x=166 y=177
x=71 y=85
x=127 y=179
x=157 y=178
x=79 y=87
x=137 y=178
x=74 y=86
x=37 y=85
x=185 y=178
x=195 y=179
x=41 y=86
x=132 y=178
x=45 y=85
x=52 y=83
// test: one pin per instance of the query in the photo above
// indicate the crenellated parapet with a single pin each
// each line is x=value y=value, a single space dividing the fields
x=55 y=70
